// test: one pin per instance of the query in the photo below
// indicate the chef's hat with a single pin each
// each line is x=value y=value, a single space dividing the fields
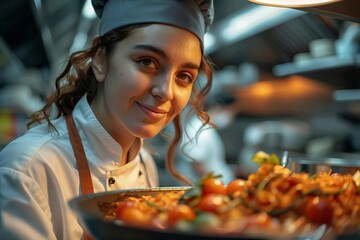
x=195 y=16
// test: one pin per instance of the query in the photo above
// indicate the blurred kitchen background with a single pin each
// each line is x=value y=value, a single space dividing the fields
x=285 y=78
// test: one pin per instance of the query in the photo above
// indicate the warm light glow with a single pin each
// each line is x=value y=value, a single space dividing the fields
x=293 y=3
x=263 y=90
x=294 y=95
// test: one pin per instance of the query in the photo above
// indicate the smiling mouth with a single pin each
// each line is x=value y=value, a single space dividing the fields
x=152 y=111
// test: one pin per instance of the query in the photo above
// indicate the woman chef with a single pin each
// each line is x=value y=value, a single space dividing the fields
x=135 y=79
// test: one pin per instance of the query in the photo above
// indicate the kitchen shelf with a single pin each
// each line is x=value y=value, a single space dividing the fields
x=317 y=64
x=347 y=95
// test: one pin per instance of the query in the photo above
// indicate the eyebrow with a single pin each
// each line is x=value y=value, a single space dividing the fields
x=163 y=54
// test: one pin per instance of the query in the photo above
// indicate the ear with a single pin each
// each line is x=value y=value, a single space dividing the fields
x=98 y=62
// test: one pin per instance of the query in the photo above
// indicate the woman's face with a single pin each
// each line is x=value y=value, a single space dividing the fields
x=147 y=80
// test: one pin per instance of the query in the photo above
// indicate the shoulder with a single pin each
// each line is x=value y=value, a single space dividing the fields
x=28 y=149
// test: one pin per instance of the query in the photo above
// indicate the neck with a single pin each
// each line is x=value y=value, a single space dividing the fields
x=130 y=151
x=130 y=144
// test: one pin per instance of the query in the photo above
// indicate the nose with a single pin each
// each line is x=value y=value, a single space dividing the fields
x=163 y=87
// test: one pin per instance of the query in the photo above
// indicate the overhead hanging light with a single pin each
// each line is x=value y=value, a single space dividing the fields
x=294 y=3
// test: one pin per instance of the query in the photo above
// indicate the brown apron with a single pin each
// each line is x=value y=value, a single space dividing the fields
x=82 y=163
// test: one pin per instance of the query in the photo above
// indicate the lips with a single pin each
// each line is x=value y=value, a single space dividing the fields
x=151 y=111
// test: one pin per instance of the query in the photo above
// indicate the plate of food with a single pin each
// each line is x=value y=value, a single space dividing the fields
x=272 y=203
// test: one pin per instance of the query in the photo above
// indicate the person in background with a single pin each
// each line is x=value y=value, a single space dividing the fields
x=202 y=151
x=136 y=79
x=202 y=148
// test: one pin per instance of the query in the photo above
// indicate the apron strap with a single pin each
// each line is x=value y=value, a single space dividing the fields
x=81 y=161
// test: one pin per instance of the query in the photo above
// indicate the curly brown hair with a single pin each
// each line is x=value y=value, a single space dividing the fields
x=78 y=79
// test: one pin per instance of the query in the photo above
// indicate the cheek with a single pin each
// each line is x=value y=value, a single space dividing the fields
x=182 y=98
x=124 y=85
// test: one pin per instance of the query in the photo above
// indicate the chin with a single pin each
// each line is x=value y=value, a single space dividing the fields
x=147 y=136
x=146 y=133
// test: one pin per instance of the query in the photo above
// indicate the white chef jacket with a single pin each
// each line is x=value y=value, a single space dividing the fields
x=38 y=176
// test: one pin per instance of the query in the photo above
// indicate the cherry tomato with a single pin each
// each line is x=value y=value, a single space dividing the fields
x=124 y=205
x=211 y=202
x=213 y=185
x=319 y=210
x=235 y=186
x=159 y=221
x=260 y=220
x=180 y=212
x=134 y=216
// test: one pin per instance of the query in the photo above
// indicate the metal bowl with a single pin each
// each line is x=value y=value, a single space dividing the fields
x=93 y=221
x=314 y=165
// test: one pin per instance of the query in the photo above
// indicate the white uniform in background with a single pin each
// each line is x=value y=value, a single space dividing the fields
x=208 y=151
x=38 y=176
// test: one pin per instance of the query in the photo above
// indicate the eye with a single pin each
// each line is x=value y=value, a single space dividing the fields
x=147 y=63
x=185 y=78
